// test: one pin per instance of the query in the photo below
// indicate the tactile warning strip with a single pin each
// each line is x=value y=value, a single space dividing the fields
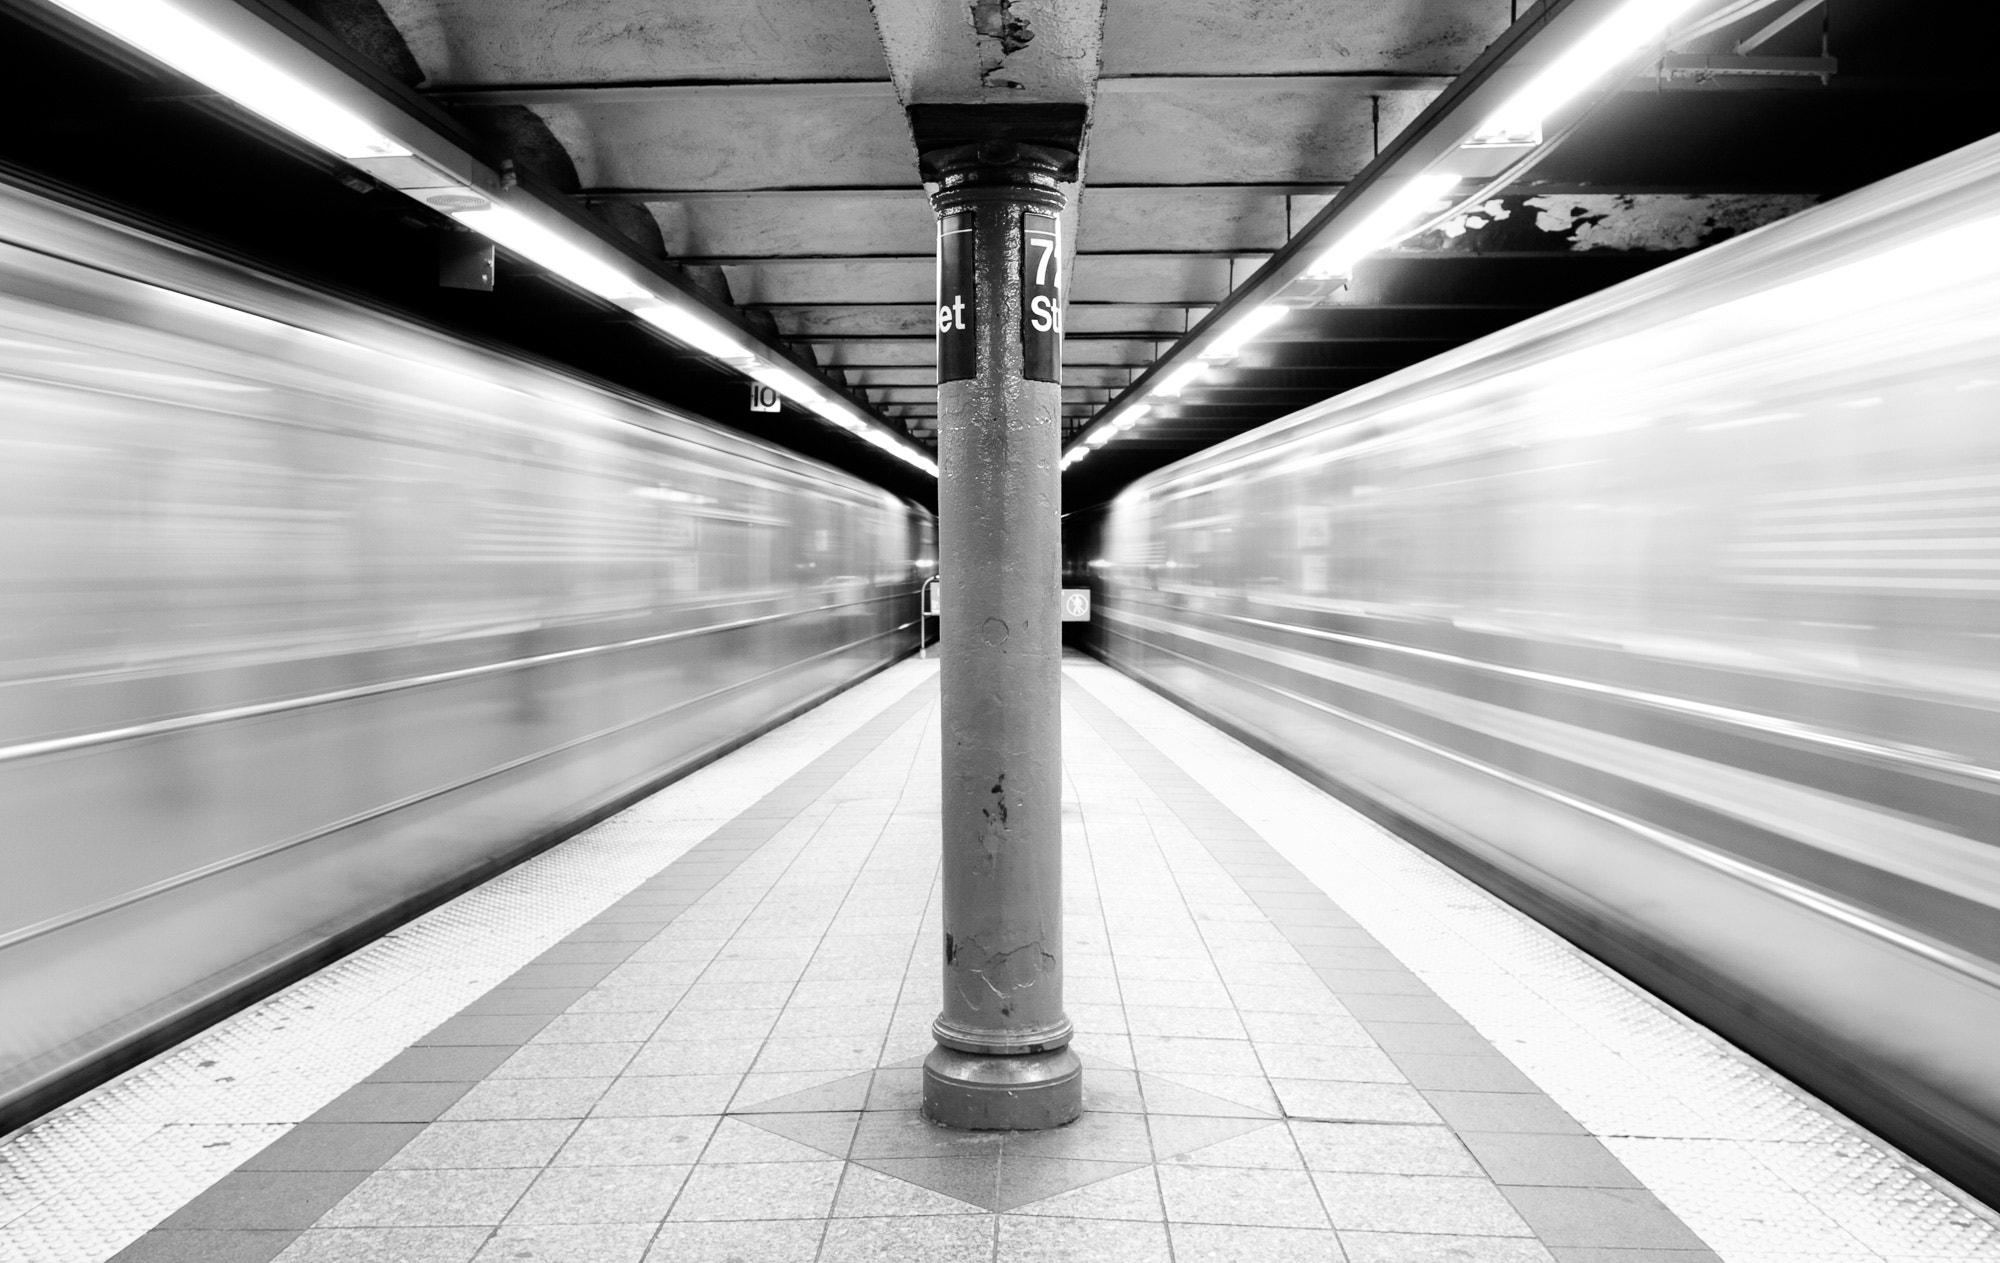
x=714 y=1062
x=79 y=1185
x=1760 y=1170
x=1568 y=1187
x=254 y=1212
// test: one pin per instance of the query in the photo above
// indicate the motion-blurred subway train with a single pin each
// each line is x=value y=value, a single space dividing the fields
x=310 y=616
x=1673 y=615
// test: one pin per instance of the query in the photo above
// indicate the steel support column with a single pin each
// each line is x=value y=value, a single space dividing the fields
x=1003 y=1059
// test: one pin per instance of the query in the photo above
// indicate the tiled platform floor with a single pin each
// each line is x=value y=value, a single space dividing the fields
x=720 y=1066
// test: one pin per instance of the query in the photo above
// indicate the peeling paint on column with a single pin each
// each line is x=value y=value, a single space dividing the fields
x=991 y=50
x=1003 y=30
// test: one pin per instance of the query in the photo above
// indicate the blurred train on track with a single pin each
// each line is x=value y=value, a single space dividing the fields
x=313 y=616
x=1674 y=616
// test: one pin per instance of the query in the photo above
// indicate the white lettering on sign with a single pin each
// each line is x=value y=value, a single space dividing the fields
x=1044 y=315
x=957 y=302
x=1044 y=246
x=1041 y=297
x=952 y=316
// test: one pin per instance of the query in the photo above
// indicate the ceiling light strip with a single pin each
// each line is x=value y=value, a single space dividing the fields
x=261 y=68
x=1489 y=123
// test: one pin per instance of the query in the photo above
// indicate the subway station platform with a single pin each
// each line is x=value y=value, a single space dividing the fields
x=690 y=1035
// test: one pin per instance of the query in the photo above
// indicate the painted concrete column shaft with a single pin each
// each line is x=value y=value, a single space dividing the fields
x=1002 y=1059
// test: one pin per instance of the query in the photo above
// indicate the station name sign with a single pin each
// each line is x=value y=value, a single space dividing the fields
x=957 y=299
x=1041 y=297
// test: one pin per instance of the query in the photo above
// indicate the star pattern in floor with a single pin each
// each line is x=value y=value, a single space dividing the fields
x=1130 y=1121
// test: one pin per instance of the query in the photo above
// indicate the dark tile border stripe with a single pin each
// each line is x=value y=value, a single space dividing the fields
x=1571 y=1190
x=256 y=1211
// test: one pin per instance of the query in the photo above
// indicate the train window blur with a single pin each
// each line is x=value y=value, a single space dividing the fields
x=310 y=611
x=1675 y=611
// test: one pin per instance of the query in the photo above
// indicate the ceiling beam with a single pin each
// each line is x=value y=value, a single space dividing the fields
x=819 y=192
x=784 y=90
x=1202 y=85
x=900 y=192
x=901 y=304
x=1301 y=340
x=754 y=260
x=1171 y=306
x=661 y=93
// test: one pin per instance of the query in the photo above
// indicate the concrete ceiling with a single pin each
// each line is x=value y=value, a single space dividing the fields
x=770 y=143
x=765 y=148
x=1754 y=110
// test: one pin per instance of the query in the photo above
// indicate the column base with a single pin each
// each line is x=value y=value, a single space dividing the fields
x=1025 y=1092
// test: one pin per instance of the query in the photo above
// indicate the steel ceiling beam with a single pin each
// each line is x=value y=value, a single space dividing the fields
x=593 y=94
x=760 y=260
x=818 y=193
x=661 y=93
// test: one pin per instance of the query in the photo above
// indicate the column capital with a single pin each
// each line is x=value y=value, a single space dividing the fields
x=1029 y=172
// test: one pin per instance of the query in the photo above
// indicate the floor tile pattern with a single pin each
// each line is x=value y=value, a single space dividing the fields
x=730 y=1054
x=887 y=1134
x=80 y=1184
x=722 y=1065
x=1763 y=1172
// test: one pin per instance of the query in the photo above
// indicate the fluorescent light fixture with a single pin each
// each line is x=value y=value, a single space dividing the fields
x=1630 y=28
x=896 y=446
x=1098 y=438
x=1381 y=227
x=789 y=384
x=1132 y=416
x=684 y=326
x=196 y=50
x=189 y=46
x=840 y=412
x=550 y=249
x=1180 y=379
x=830 y=408
x=1246 y=327
x=908 y=453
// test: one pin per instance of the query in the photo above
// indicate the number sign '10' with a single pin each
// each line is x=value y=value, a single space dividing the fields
x=1041 y=297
